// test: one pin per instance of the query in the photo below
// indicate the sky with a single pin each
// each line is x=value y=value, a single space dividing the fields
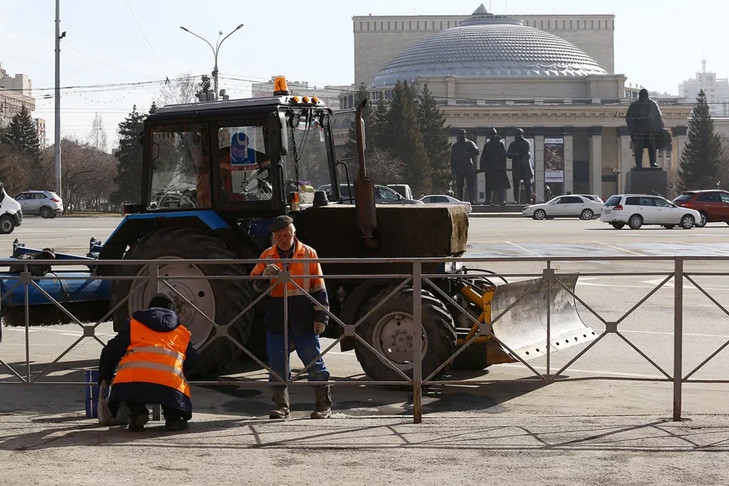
x=117 y=53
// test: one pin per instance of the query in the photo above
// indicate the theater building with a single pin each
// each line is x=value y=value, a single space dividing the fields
x=551 y=75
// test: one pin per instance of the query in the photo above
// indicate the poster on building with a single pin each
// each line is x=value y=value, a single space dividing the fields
x=553 y=160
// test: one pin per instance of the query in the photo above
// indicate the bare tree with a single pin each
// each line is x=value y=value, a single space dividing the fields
x=181 y=90
x=88 y=176
x=97 y=136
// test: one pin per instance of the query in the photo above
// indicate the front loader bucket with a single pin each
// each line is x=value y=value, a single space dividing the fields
x=523 y=328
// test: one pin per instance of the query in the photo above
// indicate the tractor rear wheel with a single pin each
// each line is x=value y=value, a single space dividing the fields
x=390 y=330
x=219 y=300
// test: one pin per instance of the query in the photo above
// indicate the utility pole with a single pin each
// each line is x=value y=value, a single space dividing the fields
x=57 y=124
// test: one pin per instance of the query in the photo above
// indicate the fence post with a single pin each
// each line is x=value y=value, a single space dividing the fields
x=548 y=276
x=417 y=345
x=677 y=337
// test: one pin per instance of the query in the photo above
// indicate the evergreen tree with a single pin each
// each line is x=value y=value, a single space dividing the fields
x=701 y=155
x=370 y=123
x=435 y=138
x=129 y=159
x=402 y=138
x=22 y=137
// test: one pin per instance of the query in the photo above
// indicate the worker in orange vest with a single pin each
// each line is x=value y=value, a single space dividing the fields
x=146 y=363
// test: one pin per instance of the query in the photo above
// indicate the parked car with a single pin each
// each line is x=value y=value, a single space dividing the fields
x=383 y=194
x=47 y=204
x=11 y=215
x=635 y=210
x=712 y=204
x=571 y=206
x=445 y=199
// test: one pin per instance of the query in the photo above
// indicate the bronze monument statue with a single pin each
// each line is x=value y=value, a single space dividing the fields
x=493 y=164
x=645 y=125
x=519 y=152
x=463 y=158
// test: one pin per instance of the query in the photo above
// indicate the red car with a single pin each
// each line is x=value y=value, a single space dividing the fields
x=713 y=204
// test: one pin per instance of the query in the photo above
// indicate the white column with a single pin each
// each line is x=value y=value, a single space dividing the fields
x=627 y=161
x=538 y=151
x=569 y=167
x=596 y=164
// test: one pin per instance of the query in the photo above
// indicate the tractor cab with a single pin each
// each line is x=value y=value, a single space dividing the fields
x=242 y=158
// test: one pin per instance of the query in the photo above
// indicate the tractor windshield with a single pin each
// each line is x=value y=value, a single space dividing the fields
x=179 y=169
x=306 y=166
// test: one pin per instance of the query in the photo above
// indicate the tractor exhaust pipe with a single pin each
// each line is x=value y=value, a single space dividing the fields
x=364 y=189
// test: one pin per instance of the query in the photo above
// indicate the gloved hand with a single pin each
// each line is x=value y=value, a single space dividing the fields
x=271 y=270
x=319 y=327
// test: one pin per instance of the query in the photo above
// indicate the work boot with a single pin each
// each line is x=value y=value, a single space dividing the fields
x=281 y=400
x=323 y=408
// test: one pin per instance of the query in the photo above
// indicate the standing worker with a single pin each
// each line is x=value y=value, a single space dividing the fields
x=306 y=320
x=520 y=153
x=463 y=166
x=151 y=357
x=493 y=163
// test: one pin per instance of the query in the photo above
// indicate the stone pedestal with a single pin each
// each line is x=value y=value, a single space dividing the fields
x=647 y=180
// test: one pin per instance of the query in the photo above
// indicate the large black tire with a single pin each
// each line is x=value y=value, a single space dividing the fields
x=617 y=225
x=221 y=300
x=7 y=225
x=389 y=330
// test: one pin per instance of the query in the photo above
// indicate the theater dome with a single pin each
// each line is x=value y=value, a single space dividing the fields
x=487 y=45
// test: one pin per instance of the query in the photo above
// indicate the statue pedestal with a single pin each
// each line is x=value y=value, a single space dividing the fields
x=646 y=180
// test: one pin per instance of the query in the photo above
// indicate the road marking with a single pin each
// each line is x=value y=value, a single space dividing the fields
x=591 y=372
x=618 y=248
x=522 y=248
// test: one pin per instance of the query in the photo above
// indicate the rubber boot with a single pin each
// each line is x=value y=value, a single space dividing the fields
x=281 y=400
x=323 y=408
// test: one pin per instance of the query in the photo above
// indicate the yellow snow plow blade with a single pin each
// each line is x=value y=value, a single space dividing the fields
x=523 y=327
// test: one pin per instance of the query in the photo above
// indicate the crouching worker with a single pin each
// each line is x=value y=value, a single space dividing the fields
x=150 y=358
x=306 y=320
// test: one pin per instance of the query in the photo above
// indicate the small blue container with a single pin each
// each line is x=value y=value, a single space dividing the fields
x=91 y=392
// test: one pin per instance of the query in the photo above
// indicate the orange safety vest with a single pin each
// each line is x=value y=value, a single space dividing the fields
x=297 y=269
x=155 y=357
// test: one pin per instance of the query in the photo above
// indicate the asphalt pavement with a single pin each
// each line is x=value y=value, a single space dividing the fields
x=587 y=430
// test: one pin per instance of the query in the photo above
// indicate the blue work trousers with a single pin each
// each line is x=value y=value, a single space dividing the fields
x=307 y=348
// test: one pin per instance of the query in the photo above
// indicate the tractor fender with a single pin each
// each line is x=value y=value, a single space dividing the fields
x=354 y=301
x=134 y=227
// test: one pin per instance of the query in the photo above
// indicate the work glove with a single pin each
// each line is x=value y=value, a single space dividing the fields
x=319 y=327
x=271 y=270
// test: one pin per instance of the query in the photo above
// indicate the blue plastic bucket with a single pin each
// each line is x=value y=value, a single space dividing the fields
x=91 y=392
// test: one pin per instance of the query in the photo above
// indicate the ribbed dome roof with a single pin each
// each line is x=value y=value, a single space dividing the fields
x=487 y=45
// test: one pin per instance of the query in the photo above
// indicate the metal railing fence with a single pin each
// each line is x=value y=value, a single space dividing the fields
x=675 y=272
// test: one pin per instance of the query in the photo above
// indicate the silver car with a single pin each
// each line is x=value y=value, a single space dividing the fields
x=47 y=204
x=636 y=210
x=569 y=206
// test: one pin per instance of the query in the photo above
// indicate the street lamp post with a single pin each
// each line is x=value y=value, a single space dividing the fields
x=215 y=52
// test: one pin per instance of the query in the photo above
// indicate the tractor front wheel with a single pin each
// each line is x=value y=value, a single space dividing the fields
x=391 y=331
x=205 y=306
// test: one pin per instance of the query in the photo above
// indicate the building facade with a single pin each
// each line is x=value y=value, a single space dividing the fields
x=552 y=75
x=715 y=89
x=15 y=92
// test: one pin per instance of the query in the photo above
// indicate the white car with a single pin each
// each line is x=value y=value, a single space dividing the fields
x=445 y=199
x=11 y=214
x=635 y=210
x=47 y=204
x=571 y=206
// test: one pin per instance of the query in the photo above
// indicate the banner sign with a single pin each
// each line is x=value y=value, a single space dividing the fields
x=553 y=160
